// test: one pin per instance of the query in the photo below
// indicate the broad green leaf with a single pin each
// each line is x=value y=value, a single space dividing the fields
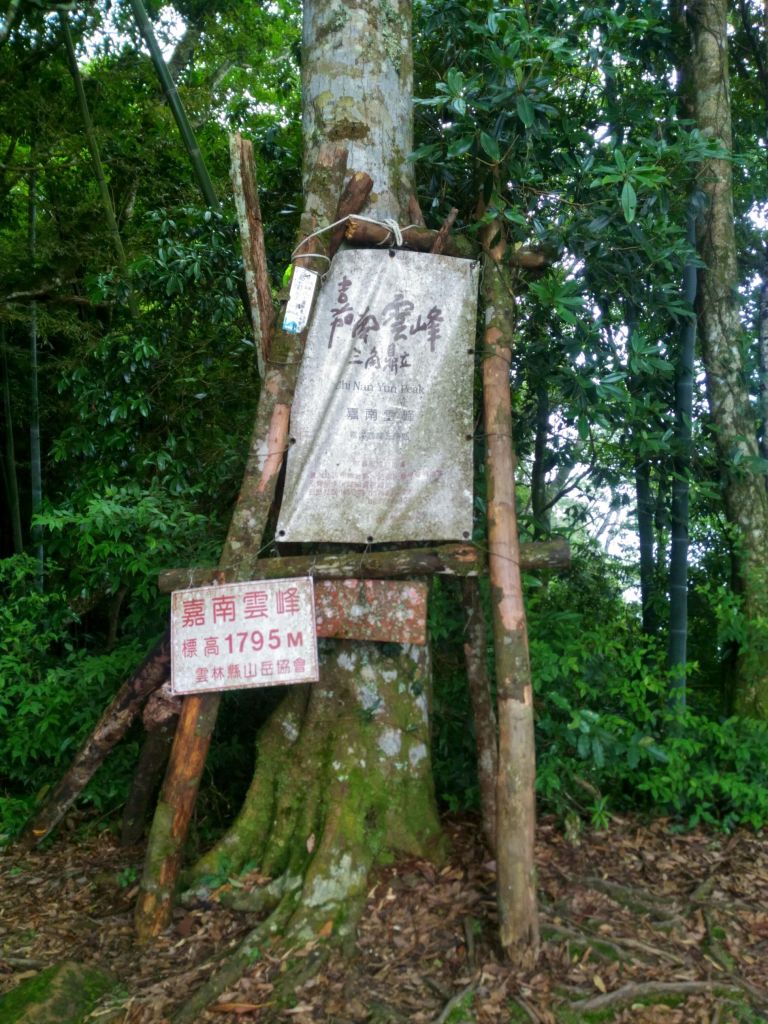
x=490 y=146
x=525 y=110
x=628 y=201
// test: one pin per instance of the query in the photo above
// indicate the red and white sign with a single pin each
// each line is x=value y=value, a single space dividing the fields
x=242 y=635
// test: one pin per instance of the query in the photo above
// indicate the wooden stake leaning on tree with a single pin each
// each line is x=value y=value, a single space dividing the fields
x=515 y=795
x=241 y=549
x=110 y=729
x=161 y=713
x=246 y=196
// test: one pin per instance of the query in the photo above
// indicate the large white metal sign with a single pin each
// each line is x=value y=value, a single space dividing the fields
x=241 y=635
x=381 y=427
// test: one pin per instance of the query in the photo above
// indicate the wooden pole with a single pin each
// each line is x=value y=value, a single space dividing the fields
x=246 y=196
x=161 y=715
x=109 y=730
x=241 y=549
x=442 y=560
x=515 y=795
x=367 y=233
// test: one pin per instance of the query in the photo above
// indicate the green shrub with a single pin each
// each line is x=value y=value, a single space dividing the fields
x=51 y=693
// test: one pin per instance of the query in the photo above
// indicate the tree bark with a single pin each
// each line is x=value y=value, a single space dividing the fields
x=110 y=729
x=515 y=793
x=648 y=576
x=746 y=498
x=160 y=717
x=421 y=239
x=762 y=349
x=11 y=477
x=681 y=463
x=478 y=680
x=343 y=775
x=246 y=196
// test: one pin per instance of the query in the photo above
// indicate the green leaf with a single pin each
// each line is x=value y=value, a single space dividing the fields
x=490 y=146
x=628 y=202
x=461 y=145
x=525 y=110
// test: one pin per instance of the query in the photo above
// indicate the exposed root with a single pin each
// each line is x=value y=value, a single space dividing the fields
x=292 y=928
x=343 y=781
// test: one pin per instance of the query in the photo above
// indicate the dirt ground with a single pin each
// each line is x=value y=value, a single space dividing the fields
x=639 y=924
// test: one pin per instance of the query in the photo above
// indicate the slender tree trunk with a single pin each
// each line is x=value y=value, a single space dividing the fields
x=161 y=714
x=98 y=167
x=11 y=478
x=746 y=498
x=539 y=506
x=647 y=547
x=515 y=790
x=681 y=463
x=762 y=349
x=174 y=102
x=35 y=460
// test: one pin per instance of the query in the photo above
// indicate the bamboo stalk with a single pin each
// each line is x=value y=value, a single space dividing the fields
x=515 y=796
x=444 y=559
x=98 y=167
x=35 y=458
x=12 y=483
x=174 y=102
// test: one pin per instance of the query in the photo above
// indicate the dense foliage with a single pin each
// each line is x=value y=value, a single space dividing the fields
x=569 y=124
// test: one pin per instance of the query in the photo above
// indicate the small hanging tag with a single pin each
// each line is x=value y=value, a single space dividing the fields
x=299 y=306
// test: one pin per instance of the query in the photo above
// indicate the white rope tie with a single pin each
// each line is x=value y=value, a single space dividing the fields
x=394 y=229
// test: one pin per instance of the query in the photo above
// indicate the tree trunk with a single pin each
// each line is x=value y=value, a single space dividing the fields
x=539 y=505
x=648 y=588
x=35 y=459
x=343 y=777
x=11 y=478
x=762 y=355
x=515 y=789
x=746 y=498
x=483 y=712
x=678 y=558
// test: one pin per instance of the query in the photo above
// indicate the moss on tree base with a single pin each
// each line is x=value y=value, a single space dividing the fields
x=63 y=994
x=343 y=781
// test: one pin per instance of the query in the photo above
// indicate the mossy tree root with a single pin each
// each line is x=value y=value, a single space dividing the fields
x=364 y=731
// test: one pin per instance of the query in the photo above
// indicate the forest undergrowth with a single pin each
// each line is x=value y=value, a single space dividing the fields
x=640 y=924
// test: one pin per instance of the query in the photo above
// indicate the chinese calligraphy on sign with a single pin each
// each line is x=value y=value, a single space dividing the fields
x=382 y=421
x=242 y=635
